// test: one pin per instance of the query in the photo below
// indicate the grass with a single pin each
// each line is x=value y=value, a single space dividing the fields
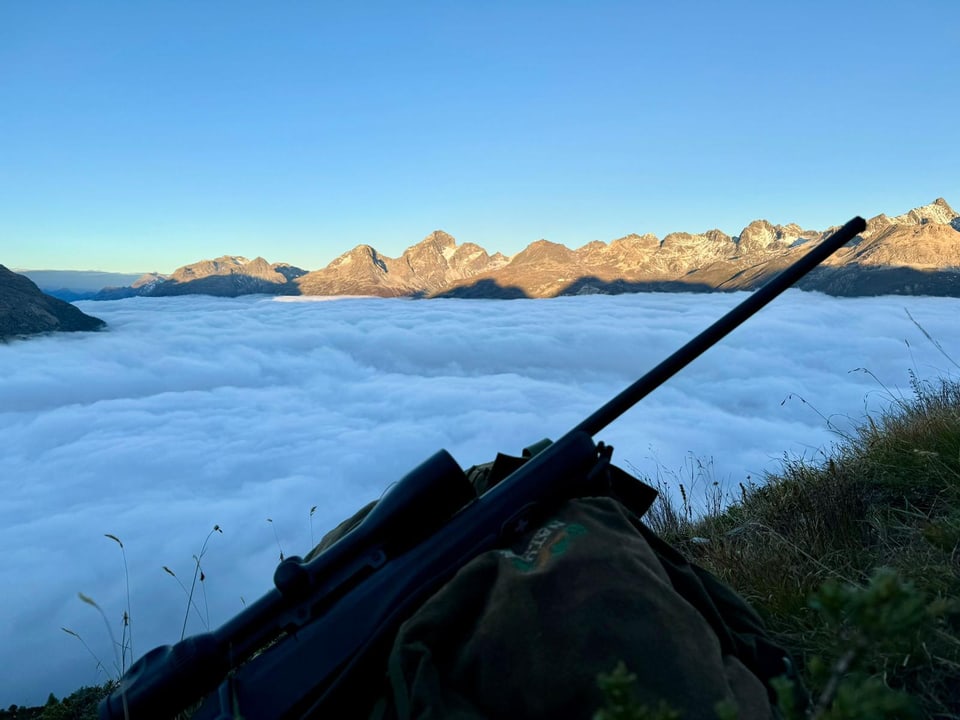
x=853 y=562
x=82 y=704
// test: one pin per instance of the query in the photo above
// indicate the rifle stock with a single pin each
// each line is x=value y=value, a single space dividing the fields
x=294 y=650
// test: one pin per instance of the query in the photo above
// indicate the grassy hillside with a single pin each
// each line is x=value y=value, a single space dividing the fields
x=854 y=563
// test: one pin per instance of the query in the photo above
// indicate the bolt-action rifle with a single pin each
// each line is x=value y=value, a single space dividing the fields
x=301 y=647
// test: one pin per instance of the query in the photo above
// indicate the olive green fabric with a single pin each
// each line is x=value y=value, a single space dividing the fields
x=523 y=632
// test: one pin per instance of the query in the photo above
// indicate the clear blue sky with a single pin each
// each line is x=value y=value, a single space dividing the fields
x=143 y=136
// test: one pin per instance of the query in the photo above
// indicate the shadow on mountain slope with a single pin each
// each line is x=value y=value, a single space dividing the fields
x=592 y=285
x=861 y=281
x=845 y=281
x=485 y=288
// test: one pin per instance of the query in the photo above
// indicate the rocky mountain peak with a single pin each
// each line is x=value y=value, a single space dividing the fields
x=439 y=239
x=927 y=246
x=469 y=259
x=698 y=245
x=939 y=211
x=428 y=262
x=148 y=279
x=761 y=236
x=718 y=236
x=593 y=246
x=758 y=236
x=222 y=265
x=543 y=252
x=436 y=243
x=227 y=275
x=633 y=242
x=876 y=225
x=259 y=268
x=681 y=252
x=360 y=254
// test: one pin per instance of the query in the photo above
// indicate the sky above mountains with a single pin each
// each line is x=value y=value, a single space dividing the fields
x=137 y=137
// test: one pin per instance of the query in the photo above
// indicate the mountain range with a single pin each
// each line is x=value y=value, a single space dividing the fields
x=917 y=252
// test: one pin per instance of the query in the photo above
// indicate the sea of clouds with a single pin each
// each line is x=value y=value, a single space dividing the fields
x=193 y=411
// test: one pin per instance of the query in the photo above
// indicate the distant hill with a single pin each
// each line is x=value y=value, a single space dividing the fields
x=141 y=286
x=25 y=310
x=226 y=276
x=73 y=285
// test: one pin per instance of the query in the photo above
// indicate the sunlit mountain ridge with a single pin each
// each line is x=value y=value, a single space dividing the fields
x=915 y=253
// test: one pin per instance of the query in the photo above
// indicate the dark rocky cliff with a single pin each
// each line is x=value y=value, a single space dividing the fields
x=25 y=310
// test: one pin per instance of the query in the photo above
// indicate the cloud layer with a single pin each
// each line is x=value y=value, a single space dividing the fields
x=192 y=411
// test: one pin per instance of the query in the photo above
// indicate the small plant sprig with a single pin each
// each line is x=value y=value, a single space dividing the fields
x=126 y=641
x=198 y=575
x=880 y=631
x=118 y=666
x=620 y=702
x=277 y=537
x=100 y=667
x=123 y=651
x=933 y=340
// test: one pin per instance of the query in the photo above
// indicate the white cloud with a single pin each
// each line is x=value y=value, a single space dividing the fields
x=193 y=411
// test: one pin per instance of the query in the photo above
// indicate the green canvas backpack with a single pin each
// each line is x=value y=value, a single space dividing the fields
x=524 y=631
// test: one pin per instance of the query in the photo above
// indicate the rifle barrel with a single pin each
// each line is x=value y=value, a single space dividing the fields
x=713 y=334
